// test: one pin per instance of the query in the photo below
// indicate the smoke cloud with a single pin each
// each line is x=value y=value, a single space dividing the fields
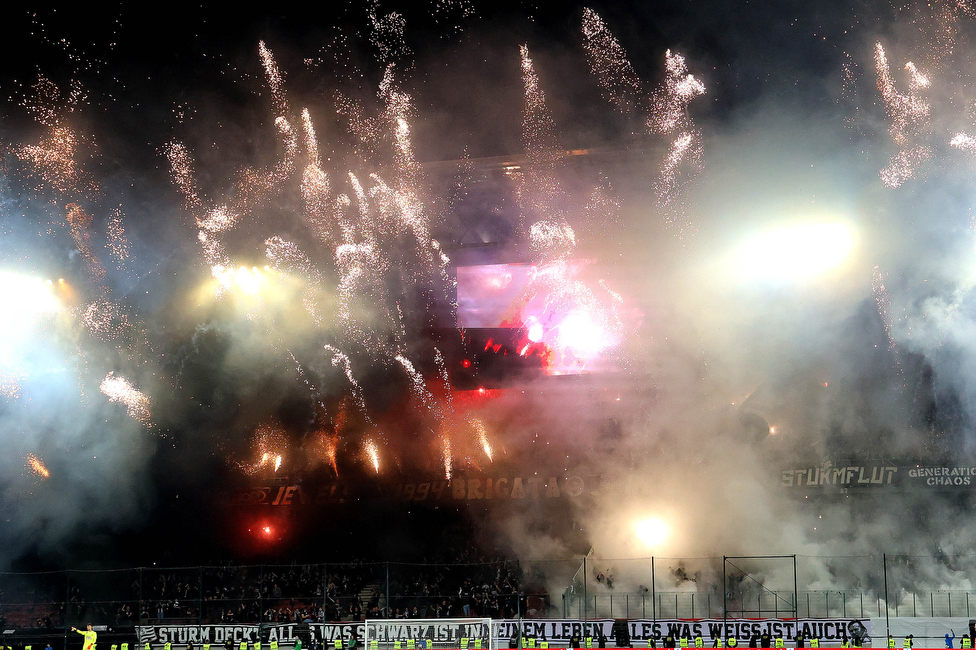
x=259 y=267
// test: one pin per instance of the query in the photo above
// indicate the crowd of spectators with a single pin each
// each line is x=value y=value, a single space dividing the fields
x=472 y=586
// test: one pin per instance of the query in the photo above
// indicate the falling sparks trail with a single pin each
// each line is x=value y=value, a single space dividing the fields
x=884 y=310
x=608 y=61
x=908 y=117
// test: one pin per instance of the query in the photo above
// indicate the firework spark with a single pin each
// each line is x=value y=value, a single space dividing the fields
x=10 y=384
x=119 y=390
x=669 y=103
x=53 y=162
x=118 y=242
x=105 y=320
x=883 y=301
x=37 y=467
x=482 y=432
x=609 y=62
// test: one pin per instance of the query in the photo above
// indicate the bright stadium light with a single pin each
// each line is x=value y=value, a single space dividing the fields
x=25 y=300
x=652 y=532
x=795 y=252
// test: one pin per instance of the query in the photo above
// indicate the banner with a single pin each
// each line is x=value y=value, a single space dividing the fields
x=460 y=488
x=880 y=477
x=559 y=631
x=638 y=631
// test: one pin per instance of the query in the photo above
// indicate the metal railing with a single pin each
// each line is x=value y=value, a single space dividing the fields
x=649 y=588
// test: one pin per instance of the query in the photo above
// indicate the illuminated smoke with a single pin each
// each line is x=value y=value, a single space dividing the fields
x=286 y=257
x=119 y=390
x=36 y=466
x=908 y=118
x=80 y=223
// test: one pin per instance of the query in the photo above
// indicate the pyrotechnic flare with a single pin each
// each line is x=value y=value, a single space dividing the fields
x=372 y=454
x=269 y=444
x=448 y=457
x=326 y=447
x=118 y=389
x=908 y=117
x=35 y=465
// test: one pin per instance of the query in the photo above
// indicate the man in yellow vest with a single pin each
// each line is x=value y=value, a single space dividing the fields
x=683 y=642
x=90 y=637
x=732 y=642
x=909 y=641
x=699 y=642
x=814 y=642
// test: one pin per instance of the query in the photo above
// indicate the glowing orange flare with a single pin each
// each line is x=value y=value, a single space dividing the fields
x=373 y=454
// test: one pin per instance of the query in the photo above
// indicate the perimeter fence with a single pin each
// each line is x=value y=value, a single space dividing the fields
x=586 y=588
